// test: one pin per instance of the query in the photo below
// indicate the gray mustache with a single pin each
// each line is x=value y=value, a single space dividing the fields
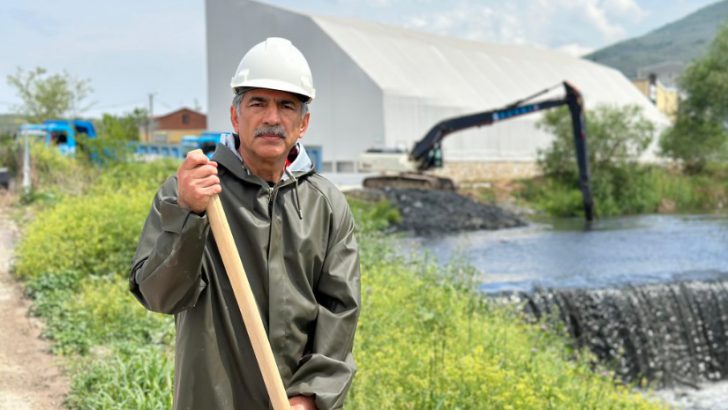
x=276 y=130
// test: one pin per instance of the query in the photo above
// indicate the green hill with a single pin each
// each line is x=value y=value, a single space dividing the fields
x=678 y=42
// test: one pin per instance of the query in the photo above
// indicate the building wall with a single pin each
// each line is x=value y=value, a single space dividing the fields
x=464 y=172
x=384 y=87
x=665 y=99
x=346 y=116
x=426 y=78
x=172 y=136
x=184 y=119
x=170 y=128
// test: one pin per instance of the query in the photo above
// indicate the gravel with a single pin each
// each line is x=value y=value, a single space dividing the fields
x=430 y=212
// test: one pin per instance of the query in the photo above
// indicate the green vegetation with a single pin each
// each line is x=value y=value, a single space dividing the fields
x=633 y=190
x=74 y=258
x=679 y=42
x=699 y=135
x=426 y=338
x=47 y=96
x=115 y=133
x=124 y=127
x=617 y=137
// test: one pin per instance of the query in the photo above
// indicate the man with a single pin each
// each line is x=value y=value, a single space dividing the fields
x=295 y=235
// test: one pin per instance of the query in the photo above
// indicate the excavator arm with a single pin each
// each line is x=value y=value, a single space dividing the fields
x=427 y=152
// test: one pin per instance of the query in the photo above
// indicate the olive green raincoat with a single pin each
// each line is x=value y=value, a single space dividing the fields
x=296 y=241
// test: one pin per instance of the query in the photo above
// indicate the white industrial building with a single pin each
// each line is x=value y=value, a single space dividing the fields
x=382 y=86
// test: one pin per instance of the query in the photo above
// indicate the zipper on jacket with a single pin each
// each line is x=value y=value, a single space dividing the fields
x=272 y=191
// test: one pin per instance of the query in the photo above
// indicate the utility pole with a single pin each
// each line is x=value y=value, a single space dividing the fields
x=150 y=122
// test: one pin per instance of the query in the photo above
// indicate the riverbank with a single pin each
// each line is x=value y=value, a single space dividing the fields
x=647 y=294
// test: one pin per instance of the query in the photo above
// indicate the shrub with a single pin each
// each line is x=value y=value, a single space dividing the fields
x=9 y=153
x=95 y=233
x=373 y=216
x=91 y=234
x=616 y=138
x=54 y=172
x=631 y=189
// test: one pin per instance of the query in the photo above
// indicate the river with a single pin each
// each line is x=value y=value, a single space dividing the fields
x=641 y=255
x=564 y=253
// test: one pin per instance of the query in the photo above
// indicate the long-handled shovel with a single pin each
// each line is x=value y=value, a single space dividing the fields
x=246 y=303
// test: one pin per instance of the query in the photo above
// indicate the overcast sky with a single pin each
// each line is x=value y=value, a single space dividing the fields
x=129 y=49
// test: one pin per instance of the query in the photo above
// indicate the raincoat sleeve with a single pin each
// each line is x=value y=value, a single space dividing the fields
x=328 y=370
x=166 y=271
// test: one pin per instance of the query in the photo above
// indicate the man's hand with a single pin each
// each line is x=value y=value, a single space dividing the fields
x=197 y=182
x=302 y=403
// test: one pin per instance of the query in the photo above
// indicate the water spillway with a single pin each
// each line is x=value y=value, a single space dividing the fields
x=646 y=294
x=668 y=333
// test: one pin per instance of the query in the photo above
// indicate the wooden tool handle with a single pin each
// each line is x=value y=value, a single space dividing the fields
x=246 y=303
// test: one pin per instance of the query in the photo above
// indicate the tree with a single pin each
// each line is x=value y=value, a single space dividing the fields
x=123 y=128
x=114 y=135
x=616 y=136
x=46 y=96
x=699 y=134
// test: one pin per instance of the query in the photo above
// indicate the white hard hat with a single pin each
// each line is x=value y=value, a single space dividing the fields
x=275 y=64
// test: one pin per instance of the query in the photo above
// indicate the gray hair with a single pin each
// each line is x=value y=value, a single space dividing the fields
x=241 y=91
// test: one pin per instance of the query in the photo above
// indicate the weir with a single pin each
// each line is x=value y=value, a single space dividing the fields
x=669 y=333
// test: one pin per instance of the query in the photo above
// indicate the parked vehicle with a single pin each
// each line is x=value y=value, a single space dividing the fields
x=61 y=133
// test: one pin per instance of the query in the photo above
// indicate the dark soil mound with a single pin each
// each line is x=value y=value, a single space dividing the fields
x=428 y=212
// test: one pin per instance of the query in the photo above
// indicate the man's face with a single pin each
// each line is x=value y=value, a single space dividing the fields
x=269 y=124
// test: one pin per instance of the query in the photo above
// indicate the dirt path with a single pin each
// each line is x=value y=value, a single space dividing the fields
x=29 y=376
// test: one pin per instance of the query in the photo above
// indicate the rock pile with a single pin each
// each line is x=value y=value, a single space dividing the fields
x=428 y=212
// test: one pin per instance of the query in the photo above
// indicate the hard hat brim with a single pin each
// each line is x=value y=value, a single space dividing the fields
x=307 y=96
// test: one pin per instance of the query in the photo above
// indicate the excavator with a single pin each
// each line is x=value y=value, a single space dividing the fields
x=427 y=152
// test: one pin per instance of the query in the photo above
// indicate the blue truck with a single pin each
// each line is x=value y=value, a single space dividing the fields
x=61 y=133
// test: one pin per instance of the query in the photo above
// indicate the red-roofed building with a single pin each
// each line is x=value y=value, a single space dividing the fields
x=170 y=128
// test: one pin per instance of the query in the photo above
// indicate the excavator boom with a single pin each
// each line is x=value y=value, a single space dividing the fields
x=427 y=152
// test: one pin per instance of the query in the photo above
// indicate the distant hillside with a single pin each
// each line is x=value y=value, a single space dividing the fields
x=678 y=42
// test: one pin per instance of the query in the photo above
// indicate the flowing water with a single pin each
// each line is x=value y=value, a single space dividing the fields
x=634 y=250
x=648 y=294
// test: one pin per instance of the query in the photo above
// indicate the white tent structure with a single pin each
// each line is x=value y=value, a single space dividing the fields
x=380 y=86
